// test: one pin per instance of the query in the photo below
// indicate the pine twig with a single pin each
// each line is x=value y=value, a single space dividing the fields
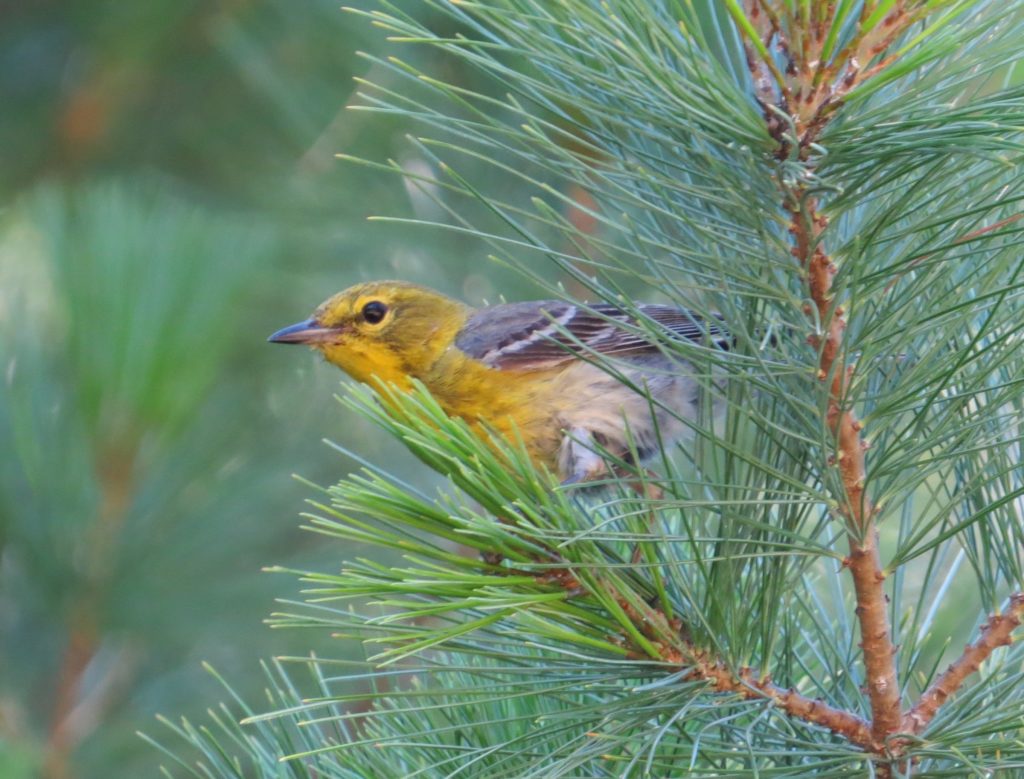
x=813 y=88
x=821 y=87
x=962 y=240
x=750 y=686
x=996 y=632
x=672 y=645
x=863 y=561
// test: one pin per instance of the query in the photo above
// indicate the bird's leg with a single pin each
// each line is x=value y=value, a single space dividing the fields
x=578 y=462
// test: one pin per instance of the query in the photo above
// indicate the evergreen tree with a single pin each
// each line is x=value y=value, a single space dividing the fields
x=840 y=182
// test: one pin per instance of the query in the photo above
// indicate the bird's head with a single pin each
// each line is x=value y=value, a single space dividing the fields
x=385 y=330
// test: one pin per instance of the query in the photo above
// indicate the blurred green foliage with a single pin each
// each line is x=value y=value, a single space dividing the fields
x=528 y=680
x=170 y=196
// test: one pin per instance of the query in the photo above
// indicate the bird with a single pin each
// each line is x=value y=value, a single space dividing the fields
x=530 y=370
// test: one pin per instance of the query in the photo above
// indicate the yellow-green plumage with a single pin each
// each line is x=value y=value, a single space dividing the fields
x=513 y=367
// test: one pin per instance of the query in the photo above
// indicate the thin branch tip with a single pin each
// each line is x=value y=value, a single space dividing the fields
x=996 y=632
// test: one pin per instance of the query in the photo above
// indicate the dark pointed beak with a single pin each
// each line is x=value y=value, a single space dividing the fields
x=304 y=332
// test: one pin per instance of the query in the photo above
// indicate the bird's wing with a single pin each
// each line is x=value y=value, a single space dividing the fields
x=544 y=333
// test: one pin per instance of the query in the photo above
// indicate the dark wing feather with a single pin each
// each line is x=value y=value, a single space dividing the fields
x=544 y=333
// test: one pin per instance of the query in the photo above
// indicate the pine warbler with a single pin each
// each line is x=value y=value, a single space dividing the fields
x=517 y=367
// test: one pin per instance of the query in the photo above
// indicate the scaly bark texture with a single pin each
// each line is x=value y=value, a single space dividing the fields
x=809 y=92
x=667 y=642
x=996 y=632
x=747 y=683
x=798 y=102
x=864 y=561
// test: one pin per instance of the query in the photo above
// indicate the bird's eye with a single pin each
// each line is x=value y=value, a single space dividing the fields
x=374 y=312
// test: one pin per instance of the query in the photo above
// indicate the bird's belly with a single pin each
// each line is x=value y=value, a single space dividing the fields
x=548 y=410
x=637 y=414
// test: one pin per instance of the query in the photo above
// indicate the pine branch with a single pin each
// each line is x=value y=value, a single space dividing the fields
x=996 y=632
x=815 y=84
x=863 y=562
x=817 y=89
x=667 y=637
x=813 y=103
x=806 y=227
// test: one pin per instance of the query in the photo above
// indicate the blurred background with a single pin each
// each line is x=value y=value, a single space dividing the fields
x=169 y=195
